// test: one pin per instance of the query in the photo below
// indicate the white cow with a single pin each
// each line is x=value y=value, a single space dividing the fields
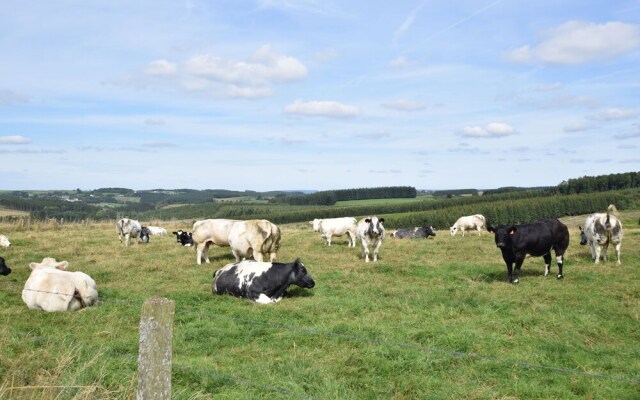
x=208 y=232
x=157 y=231
x=600 y=230
x=370 y=231
x=469 y=222
x=329 y=227
x=255 y=239
x=129 y=228
x=51 y=288
x=4 y=241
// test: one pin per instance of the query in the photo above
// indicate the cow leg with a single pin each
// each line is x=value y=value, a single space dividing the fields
x=509 y=271
x=519 y=261
x=127 y=239
x=596 y=250
x=560 y=262
x=479 y=231
x=605 y=248
x=618 y=245
x=257 y=256
x=328 y=239
x=375 y=250
x=547 y=264
x=365 y=252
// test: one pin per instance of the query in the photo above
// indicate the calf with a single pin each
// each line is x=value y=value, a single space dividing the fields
x=469 y=222
x=4 y=268
x=535 y=239
x=262 y=282
x=423 y=232
x=184 y=238
x=600 y=230
x=329 y=227
x=51 y=288
x=4 y=241
x=371 y=233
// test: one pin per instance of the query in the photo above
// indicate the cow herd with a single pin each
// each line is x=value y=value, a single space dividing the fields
x=252 y=242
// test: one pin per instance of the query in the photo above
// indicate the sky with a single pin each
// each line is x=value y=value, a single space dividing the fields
x=316 y=94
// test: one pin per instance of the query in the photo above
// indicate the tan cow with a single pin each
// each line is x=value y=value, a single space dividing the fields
x=51 y=288
x=255 y=239
x=208 y=232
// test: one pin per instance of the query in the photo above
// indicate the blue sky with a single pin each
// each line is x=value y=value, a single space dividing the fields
x=316 y=94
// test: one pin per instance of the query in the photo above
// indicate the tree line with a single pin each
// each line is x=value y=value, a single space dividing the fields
x=331 y=197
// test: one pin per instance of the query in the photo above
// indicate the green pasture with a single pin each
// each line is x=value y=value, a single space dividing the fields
x=432 y=319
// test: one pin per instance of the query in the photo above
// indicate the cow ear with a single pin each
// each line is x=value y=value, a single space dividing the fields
x=297 y=264
x=62 y=265
x=512 y=230
x=579 y=227
x=34 y=265
x=381 y=219
x=367 y=220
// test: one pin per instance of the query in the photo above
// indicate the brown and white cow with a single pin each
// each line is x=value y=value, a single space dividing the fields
x=255 y=238
x=469 y=222
x=329 y=227
x=601 y=230
x=208 y=232
x=51 y=288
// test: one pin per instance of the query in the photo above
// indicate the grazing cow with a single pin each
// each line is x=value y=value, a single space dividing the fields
x=208 y=232
x=51 y=288
x=535 y=239
x=4 y=268
x=255 y=238
x=600 y=230
x=130 y=228
x=329 y=227
x=157 y=231
x=262 y=282
x=184 y=238
x=370 y=231
x=4 y=241
x=423 y=232
x=469 y=222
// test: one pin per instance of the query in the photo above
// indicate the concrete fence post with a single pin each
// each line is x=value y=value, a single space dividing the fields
x=155 y=349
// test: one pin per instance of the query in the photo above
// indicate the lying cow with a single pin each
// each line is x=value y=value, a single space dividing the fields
x=183 y=238
x=329 y=227
x=535 y=239
x=412 y=233
x=370 y=231
x=157 y=231
x=130 y=228
x=600 y=230
x=4 y=241
x=208 y=232
x=262 y=282
x=255 y=238
x=4 y=268
x=51 y=288
x=468 y=223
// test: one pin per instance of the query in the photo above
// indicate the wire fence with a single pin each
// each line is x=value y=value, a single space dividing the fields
x=238 y=380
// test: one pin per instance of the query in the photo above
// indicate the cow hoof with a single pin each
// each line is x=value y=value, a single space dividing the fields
x=560 y=276
x=516 y=281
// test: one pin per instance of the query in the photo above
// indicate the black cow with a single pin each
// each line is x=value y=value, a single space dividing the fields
x=535 y=239
x=422 y=232
x=4 y=268
x=262 y=282
x=184 y=238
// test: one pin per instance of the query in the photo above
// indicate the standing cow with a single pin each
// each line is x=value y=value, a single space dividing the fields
x=468 y=223
x=535 y=239
x=208 y=232
x=329 y=227
x=370 y=231
x=262 y=282
x=600 y=230
x=130 y=228
x=255 y=238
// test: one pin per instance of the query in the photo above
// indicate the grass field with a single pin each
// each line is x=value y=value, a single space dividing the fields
x=432 y=319
x=6 y=212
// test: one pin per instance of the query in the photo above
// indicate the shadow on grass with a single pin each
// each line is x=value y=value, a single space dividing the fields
x=501 y=275
x=296 y=291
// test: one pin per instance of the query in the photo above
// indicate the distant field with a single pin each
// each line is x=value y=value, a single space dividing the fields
x=5 y=212
x=375 y=202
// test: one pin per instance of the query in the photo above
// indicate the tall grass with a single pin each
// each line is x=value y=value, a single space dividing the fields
x=431 y=319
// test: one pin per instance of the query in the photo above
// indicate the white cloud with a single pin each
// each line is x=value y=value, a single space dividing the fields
x=577 y=42
x=249 y=92
x=154 y=121
x=492 y=130
x=263 y=67
x=160 y=68
x=14 y=139
x=405 y=105
x=331 y=109
x=613 y=114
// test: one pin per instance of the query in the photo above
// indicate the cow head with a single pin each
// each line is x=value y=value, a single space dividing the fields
x=144 y=234
x=502 y=234
x=4 y=268
x=583 y=236
x=375 y=227
x=184 y=238
x=429 y=231
x=300 y=276
x=453 y=230
x=4 y=241
x=317 y=223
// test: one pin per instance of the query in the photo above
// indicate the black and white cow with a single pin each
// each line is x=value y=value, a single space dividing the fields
x=419 y=232
x=370 y=231
x=600 y=230
x=535 y=239
x=184 y=238
x=262 y=282
x=4 y=268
